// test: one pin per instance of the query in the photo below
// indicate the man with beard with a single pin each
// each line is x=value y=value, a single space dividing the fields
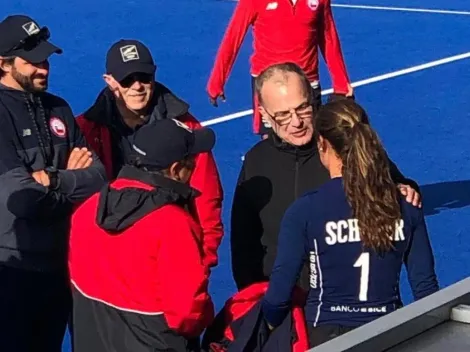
x=277 y=171
x=45 y=171
x=132 y=100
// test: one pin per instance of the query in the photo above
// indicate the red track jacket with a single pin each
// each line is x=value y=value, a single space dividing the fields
x=241 y=318
x=95 y=124
x=135 y=261
x=282 y=32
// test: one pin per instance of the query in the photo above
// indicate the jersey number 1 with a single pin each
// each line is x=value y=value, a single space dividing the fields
x=363 y=263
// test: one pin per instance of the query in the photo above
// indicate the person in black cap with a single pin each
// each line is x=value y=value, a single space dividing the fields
x=45 y=171
x=25 y=49
x=131 y=99
x=136 y=264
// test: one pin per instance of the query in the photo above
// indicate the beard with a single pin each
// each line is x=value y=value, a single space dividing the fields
x=28 y=84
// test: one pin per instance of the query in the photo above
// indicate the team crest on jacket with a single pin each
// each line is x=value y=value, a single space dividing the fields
x=313 y=4
x=58 y=127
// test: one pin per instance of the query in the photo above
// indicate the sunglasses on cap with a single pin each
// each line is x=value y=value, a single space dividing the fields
x=32 y=41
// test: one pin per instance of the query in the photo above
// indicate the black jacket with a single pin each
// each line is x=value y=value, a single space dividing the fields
x=273 y=175
x=36 y=131
x=104 y=111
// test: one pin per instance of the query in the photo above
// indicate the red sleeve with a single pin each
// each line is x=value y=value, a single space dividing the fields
x=242 y=18
x=207 y=208
x=331 y=50
x=188 y=307
x=98 y=138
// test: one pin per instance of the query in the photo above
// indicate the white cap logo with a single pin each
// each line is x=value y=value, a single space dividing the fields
x=138 y=150
x=182 y=125
x=129 y=53
x=31 y=28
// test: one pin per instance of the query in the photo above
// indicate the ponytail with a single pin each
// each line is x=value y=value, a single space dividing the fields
x=368 y=185
x=369 y=188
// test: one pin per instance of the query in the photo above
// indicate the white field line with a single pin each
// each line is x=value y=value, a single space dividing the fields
x=355 y=84
x=391 y=8
x=402 y=9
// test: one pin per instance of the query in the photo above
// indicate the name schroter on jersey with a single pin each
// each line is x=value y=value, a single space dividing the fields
x=345 y=233
x=350 y=284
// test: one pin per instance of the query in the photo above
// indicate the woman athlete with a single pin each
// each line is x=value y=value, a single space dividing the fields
x=355 y=231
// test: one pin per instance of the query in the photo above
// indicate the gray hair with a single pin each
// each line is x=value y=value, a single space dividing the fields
x=283 y=69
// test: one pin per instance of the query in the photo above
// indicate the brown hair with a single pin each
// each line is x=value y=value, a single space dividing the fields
x=8 y=61
x=368 y=184
x=282 y=68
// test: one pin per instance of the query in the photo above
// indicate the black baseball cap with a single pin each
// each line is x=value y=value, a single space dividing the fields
x=161 y=143
x=127 y=57
x=23 y=37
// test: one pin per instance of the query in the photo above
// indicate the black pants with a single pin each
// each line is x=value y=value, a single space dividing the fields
x=324 y=333
x=34 y=308
x=264 y=129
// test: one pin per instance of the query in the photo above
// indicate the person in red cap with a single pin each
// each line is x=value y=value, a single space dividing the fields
x=132 y=98
x=136 y=256
x=283 y=31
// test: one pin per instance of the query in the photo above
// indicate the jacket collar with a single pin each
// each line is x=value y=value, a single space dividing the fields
x=306 y=150
x=164 y=105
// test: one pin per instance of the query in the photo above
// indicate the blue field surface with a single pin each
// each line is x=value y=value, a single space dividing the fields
x=422 y=117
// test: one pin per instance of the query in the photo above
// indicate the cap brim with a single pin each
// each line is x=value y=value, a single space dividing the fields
x=204 y=140
x=39 y=54
x=134 y=68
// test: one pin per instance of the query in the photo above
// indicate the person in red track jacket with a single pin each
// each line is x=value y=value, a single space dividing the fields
x=131 y=99
x=135 y=254
x=283 y=31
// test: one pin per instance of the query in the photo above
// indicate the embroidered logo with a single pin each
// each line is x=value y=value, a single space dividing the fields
x=312 y=4
x=129 y=53
x=182 y=125
x=58 y=127
x=30 y=28
x=272 y=6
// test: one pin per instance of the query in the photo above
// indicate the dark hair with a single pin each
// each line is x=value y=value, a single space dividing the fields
x=282 y=68
x=188 y=162
x=6 y=60
x=368 y=184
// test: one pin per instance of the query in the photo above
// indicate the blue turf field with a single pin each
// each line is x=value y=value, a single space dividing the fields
x=422 y=117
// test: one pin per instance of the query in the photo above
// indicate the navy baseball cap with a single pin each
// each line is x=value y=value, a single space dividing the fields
x=127 y=57
x=161 y=143
x=23 y=37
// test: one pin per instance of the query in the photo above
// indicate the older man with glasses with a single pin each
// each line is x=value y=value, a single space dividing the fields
x=278 y=170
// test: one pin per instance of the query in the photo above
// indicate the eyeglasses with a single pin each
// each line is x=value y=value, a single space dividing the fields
x=32 y=41
x=283 y=118
x=136 y=77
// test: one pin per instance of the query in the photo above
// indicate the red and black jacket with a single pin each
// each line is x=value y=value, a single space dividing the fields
x=98 y=124
x=136 y=267
x=240 y=325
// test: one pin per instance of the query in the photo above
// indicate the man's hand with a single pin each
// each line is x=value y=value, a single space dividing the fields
x=213 y=101
x=411 y=195
x=41 y=177
x=79 y=159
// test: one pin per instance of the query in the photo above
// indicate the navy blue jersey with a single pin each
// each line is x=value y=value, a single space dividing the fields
x=349 y=284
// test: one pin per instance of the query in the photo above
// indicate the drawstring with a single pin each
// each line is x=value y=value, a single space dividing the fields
x=42 y=145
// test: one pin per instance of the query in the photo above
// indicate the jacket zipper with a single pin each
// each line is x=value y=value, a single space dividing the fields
x=296 y=176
